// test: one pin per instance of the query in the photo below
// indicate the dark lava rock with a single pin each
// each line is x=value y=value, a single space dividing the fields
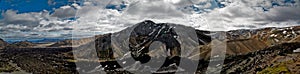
x=145 y=33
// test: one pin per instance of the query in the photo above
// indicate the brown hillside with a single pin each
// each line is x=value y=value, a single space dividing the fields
x=244 y=46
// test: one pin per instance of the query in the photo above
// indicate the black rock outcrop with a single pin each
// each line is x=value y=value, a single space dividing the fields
x=147 y=32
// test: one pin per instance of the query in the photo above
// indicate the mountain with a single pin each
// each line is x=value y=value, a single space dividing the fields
x=73 y=42
x=21 y=44
x=3 y=44
x=271 y=36
x=261 y=38
x=117 y=45
x=46 y=40
x=264 y=51
x=64 y=43
x=155 y=39
x=239 y=42
x=275 y=59
x=120 y=40
x=38 y=40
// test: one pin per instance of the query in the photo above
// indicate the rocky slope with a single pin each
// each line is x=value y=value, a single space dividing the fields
x=37 y=61
x=3 y=44
x=261 y=61
x=271 y=36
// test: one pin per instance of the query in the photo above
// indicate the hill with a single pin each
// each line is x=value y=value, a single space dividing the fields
x=3 y=44
x=21 y=44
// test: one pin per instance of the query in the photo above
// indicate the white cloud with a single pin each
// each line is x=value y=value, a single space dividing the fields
x=14 y=25
x=93 y=17
x=245 y=14
x=65 y=12
x=153 y=9
x=183 y=3
x=282 y=14
x=240 y=14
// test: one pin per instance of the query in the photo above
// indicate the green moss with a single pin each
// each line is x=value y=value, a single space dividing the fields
x=71 y=60
x=281 y=68
x=6 y=68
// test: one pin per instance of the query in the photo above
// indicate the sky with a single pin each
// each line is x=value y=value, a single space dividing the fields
x=34 y=19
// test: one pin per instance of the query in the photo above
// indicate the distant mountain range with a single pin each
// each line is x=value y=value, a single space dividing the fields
x=40 y=40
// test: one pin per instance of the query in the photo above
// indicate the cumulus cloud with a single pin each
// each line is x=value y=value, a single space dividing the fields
x=64 y=12
x=93 y=17
x=183 y=3
x=281 y=14
x=11 y=17
x=237 y=14
x=243 y=14
x=23 y=25
x=154 y=8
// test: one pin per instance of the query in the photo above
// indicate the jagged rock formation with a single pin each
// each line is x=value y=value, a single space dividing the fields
x=110 y=46
x=147 y=32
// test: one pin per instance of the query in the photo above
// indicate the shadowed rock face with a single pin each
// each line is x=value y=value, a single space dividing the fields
x=147 y=32
x=141 y=38
x=203 y=37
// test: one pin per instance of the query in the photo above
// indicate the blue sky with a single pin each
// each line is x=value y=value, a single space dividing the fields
x=24 y=6
x=39 y=19
x=28 y=6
